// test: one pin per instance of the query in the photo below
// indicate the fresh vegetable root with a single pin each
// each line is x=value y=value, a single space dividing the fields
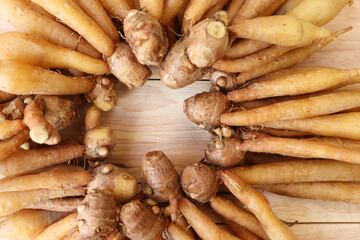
x=96 y=216
x=177 y=70
x=20 y=14
x=258 y=205
x=302 y=108
x=9 y=128
x=104 y=94
x=14 y=109
x=146 y=38
x=112 y=180
x=126 y=68
x=20 y=47
x=223 y=81
x=10 y=145
x=202 y=223
x=205 y=109
x=72 y=15
x=252 y=9
x=153 y=7
x=176 y=232
x=234 y=8
x=4 y=97
x=21 y=161
x=116 y=8
x=208 y=40
x=240 y=231
x=328 y=191
x=199 y=182
x=59 y=229
x=171 y=8
x=140 y=223
x=58 y=204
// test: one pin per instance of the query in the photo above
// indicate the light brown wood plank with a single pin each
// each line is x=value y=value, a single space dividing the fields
x=326 y=231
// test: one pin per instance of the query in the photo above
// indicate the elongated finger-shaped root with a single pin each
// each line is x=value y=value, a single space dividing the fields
x=104 y=94
x=11 y=145
x=9 y=128
x=126 y=68
x=72 y=15
x=258 y=205
x=252 y=9
x=153 y=7
x=4 y=97
x=21 y=161
x=20 y=47
x=58 y=204
x=176 y=233
x=116 y=8
x=240 y=231
x=171 y=8
x=32 y=223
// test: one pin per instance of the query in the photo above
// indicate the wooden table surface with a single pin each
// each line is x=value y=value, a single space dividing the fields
x=151 y=118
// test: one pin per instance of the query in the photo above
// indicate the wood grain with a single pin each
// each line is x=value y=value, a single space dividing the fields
x=151 y=118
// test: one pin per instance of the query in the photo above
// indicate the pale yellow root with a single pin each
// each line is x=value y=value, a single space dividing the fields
x=234 y=8
x=321 y=104
x=271 y=29
x=58 y=204
x=258 y=205
x=194 y=12
x=25 y=48
x=280 y=132
x=67 y=176
x=39 y=9
x=74 y=235
x=302 y=148
x=72 y=15
x=315 y=80
x=245 y=47
x=347 y=125
x=265 y=158
x=240 y=231
x=11 y=145
x=116 y=8
x=201 y=223
x=272 y=8
x=214 y=9
x=20 y=14
x=176 y=232
x=9 y=128
x=171 y=8
x=11 y=202
x=287 y=7
x=21 y=78
x=96 y=11
x=180 y=14
x=252 y=9
x=328 y=191
x=59 y=230
x=299 y=171
x=341 y=142
x=41 y=131
x=21 y=161
x=92 y=117
x=4 y=97
x=27 y=224
x=153 y=7
x=236 y=214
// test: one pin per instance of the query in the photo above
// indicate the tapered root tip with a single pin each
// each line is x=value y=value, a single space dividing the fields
x=39 y=134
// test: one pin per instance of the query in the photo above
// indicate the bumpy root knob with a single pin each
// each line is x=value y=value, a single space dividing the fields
x=159 y=177
x=208 y=42
x=126 y=68
x=104 y=94
x=199 y=182
x=224 y=153
x=177 y=70
x=146 y=37
x=13 y=110
x=140 y=223
x=112 y=180
x=225 y=81
x=99 y=142
x=96 y=216
x=205 y=109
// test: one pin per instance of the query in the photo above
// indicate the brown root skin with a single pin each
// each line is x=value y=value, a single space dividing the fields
x=41 y=131
x=159 y=178
x=205 y=109
x=14 y=109
x=224 y=152
x=225 y=81
x=208 y=42
x=96 y=216
x=4 y=97
x=140 y=223
x=199 y=182
x=146 y=38
x=112 y=180
x=126 y=68
x=177 y=70
x=104 y=94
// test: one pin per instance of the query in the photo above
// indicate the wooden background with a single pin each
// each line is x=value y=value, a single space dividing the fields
x=151 y=118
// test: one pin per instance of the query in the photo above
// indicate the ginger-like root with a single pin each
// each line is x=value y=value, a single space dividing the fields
x=140 y=223
x=223 y=81
x=205 y=109
x=104 y=94
x=208 y=40
x=146 y=37
x=96 y=216
x=99 y=140
x=160 y=180
x=112 y=180
x=126 y=68
x=14 y=109
x=199 y=182
x=224 y=152
x=177 y=70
